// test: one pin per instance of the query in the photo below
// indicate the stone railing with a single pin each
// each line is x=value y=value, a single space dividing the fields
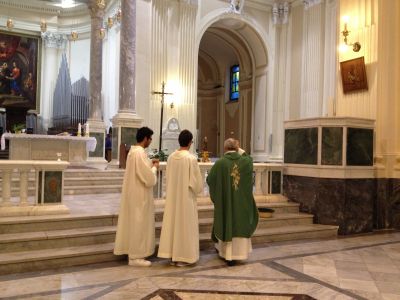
x=49 y=185
x=267 y=179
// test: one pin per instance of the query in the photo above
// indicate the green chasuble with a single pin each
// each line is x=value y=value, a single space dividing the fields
x=231 y=189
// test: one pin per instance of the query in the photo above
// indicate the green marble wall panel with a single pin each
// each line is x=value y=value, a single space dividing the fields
x=52 y=190
x=332 y=146
x=360 y=147
x=128 y=136
x=276 y=178
x=99 y=151
x=114 y=152
x=301 y=146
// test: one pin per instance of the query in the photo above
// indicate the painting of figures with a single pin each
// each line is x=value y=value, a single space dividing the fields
x=18 y=70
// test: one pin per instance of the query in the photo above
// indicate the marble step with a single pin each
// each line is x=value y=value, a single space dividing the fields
x=25 y=261
x=13 y=242
x=93 y=181
x=89 y=189
x=61 y=222
x=71 y=173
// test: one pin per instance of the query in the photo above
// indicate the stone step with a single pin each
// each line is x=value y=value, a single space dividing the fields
x=13 y=242
x=25 y=261
x=89 y=189
x=93 y=173
x=93 y=181
x=61 y=222
x=54 y=222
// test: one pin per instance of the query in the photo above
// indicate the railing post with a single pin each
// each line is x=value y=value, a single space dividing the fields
x=23 y=188
x=6 y=188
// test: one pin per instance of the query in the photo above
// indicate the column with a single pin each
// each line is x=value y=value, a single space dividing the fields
x=53 y=44
x=95 y=121
x=126 y=122
x=312 y=59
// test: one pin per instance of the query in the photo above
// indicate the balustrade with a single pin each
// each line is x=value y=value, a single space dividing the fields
x=268 y=179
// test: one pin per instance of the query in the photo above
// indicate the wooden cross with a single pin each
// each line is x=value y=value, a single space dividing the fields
x=162 y=93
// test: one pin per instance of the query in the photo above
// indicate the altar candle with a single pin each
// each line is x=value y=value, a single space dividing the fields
x=79 y=129
x=87 y=129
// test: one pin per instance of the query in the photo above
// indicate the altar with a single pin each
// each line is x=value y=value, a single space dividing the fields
x=49 y=147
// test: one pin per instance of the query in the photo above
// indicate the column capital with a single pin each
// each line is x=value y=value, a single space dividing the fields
x=280 y=13
x=310 y=3
x=96 y=8
x=54 y=40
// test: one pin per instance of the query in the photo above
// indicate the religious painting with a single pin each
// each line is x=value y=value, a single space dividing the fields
x=354 y=77
x=19 y=74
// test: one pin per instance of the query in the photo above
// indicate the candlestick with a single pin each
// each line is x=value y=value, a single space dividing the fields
x=79 y=129
x=87 y=130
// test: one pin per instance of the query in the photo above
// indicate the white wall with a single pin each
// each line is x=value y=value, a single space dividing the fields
x=78 y=55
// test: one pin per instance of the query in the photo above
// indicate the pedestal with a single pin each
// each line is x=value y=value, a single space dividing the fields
x=124 y=128
x=97 y=129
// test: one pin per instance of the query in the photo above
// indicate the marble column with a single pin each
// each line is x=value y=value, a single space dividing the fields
x=95 y=121
x=126 y=122
x=53 y=45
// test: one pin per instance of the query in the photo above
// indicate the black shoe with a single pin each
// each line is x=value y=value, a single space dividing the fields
x=231 y=263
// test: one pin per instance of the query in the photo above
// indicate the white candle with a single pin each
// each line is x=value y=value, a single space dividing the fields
x=87 y=129
x=79 y=129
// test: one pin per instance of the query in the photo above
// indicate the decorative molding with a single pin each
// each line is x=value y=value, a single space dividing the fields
x=236 y=6
x=310 y=3
x=54 y=40
x=280 y=13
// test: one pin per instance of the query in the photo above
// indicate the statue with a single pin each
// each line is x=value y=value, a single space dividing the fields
x=236 y=6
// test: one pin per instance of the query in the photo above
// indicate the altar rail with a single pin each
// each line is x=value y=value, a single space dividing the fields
x=46 y=182
x=267 y=179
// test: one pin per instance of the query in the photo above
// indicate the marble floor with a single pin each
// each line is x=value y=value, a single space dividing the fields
x=358 y=267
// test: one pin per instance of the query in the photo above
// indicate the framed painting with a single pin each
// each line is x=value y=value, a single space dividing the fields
x=354 y=77
x=19 y=70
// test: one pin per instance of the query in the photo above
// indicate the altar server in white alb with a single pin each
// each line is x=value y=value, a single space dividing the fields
x=136 y=230
x=179 y=239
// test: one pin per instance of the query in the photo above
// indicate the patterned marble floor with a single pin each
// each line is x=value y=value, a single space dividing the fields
x=362 y=267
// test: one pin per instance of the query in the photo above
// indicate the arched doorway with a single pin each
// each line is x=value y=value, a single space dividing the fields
x=226 y=45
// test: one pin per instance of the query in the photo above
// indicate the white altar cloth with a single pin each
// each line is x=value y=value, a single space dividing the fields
x=90 y=141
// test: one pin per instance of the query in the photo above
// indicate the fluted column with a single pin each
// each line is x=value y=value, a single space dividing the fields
x=53 y=45
x=313 y=58
x=126 y=122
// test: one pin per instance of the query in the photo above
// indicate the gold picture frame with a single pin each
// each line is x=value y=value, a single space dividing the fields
x=354 y=76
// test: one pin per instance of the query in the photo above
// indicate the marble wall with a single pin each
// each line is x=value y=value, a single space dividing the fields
x=348 y=203
x=332 y=146
x=387 y=204
x=360 y=147
x=301 y=146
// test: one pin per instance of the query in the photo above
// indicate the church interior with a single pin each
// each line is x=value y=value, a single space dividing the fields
x=308 y=88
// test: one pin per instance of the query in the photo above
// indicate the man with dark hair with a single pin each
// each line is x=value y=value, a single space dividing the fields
x=179 y=239
x=136 y=230
x=235 y=211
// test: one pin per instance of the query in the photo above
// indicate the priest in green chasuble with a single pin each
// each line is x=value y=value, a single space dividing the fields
x=235 y=211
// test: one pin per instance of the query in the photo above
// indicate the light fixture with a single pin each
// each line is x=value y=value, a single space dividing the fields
x=346 y=32
x=101 y=4
x=110 y=22
x=119 y=15
x=10 y=24
x=74 y=35
x=43 y=25
x=102 y=33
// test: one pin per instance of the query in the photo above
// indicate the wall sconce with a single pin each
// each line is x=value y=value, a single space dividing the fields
x=43 y=25
x=346 y=32
x=74 y=35
x=10 y=24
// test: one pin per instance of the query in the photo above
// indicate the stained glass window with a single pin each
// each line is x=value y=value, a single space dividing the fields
x=234 y=83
